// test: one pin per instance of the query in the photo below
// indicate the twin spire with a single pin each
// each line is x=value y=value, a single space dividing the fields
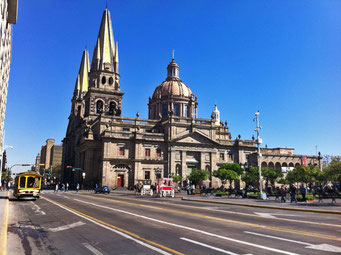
x=82 y=81
x=105 y=57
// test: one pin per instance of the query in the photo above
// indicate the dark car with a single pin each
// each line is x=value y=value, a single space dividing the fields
x=102 y=189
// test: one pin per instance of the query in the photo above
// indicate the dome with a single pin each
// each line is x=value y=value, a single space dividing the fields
x=172 y=88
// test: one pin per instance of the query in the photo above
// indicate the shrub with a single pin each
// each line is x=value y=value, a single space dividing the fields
x=253 y=195
x=196 y=191
x=221 y=193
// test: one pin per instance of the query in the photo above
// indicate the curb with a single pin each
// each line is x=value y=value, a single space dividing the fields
x=261 y=206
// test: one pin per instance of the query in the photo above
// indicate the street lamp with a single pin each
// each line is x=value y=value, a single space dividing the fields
x=259 y=156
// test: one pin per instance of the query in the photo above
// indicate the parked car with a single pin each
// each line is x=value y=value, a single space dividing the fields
x=102 y=189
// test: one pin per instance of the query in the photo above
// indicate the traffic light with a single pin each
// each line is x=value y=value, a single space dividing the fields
x=68 y=166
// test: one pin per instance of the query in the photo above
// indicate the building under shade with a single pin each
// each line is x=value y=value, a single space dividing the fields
x=102 y=147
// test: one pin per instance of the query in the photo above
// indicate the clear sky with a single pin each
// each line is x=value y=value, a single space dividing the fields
x=282 y=58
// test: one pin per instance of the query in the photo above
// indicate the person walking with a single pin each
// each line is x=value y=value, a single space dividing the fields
x=303 y=191
x=56 y=189
x=293 y=194
x=283 y=194
x=77 y=187
x=187 y=189
x=67 y=186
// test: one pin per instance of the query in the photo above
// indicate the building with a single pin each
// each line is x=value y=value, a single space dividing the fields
x=50 y=158
x=103 y=147
x=8 y=16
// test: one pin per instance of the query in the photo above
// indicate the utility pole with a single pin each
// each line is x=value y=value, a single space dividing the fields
x=259 y=156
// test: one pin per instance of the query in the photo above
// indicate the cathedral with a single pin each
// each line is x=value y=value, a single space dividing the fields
x=103 y=147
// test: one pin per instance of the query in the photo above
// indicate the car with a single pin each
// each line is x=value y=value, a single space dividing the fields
x=102 y=189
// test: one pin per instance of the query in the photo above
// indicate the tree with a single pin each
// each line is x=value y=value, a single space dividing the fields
x=197 y=176
x=333 y=171
x=251 y=176
x=229 y=171
x=271 y=175
x=176 y=178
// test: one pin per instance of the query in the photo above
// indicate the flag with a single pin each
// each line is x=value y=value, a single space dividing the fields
x=304 y=161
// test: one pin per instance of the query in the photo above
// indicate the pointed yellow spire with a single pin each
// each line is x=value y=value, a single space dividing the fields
x=82 y=82
x=105 y=47
x=116 y=58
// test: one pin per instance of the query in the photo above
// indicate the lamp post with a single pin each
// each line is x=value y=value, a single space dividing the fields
x=2 y=154
x=158 y=176
x=259 y=156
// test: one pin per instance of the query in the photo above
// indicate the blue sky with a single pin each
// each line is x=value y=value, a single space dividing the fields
x=282 y=58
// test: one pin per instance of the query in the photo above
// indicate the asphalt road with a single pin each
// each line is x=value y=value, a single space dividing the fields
x=87 y=223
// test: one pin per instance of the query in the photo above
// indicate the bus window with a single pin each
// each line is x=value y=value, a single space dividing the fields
x=22 y=181
x=36 y=182
x=30 y=182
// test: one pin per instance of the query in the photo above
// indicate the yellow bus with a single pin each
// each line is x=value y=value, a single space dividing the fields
x=27 y=185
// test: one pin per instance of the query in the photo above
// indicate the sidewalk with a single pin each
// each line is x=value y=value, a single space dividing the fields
x=3 y=220
x=313 y=206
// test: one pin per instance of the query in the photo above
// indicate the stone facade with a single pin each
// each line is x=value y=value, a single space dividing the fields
x=117 y=151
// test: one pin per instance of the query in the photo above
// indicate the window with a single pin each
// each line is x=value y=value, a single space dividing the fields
x=177 y=109
x=22 y=181
x=147 y=175
x=99 y=106
x=111 y=80
x=104 y=80
x=185 y=111
x=164 y=110
x=121 y=151
x=158 y=153
x=222 y=156
x=112 y=108
x=147 y=152
x=126 y=129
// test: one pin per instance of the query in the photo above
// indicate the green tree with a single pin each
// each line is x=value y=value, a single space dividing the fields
x=251 y=176
x=197 y=176
x=271 y=175
x=333 y=170
x=229 y=171
x=176 y=178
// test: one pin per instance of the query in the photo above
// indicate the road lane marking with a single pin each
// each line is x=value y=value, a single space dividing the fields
x=37 y=209
x=188 y=228
x=131 y=236
x=4 y=225
x=65 y=227
x=208 y=246
x=92 y=249
x=292 y=231
x=227 y=212
x=321 y=247
x=278 y=238
x=272 y=215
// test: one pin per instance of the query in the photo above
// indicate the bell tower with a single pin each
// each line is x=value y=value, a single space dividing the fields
x=104 y=95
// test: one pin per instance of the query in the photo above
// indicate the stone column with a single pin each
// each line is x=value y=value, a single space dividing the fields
x=183 y=165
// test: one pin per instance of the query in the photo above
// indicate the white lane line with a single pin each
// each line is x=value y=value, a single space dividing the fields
x=92 y=249
x=208 y=246
x=37 y=209
x=65 y=227
x=190 y=229
x=278 y=238
x=321 y=247
x=113 y=230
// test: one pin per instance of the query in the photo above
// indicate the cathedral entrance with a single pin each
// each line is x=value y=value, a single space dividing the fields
x=120 y=180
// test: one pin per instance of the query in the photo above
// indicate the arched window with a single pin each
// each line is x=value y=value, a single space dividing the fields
x=164 y=110
x=99 y=106
x=185 y=111
x=112 y=108
x=177 y=109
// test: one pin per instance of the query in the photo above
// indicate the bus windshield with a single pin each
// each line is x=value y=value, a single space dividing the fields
x=33 y=182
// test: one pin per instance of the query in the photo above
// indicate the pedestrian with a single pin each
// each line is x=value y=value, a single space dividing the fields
x=303 y=191
x=77 y=187
x=67 y=186
x=283 y=194
x=187 y=189
x=56 y=189
x=192 y=189
x=278 y=191
x=293 y=194
x=63 y=187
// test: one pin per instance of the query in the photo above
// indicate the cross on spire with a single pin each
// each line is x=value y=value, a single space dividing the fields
x=173 y=54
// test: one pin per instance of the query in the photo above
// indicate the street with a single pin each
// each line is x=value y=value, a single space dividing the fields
x=88 y=223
